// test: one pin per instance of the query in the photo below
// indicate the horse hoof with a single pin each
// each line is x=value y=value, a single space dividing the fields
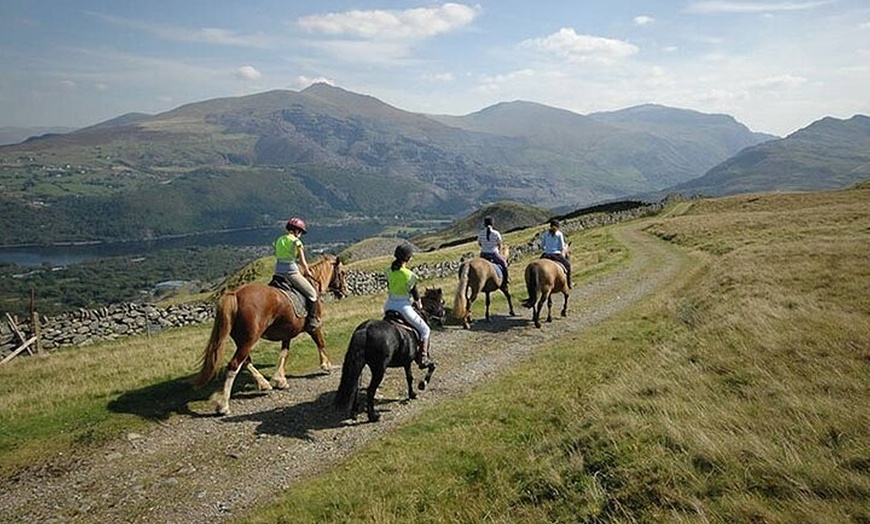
x=222 y=410
x=374 y=417
x=412 y=396
x=281 y=384
x=421 y=386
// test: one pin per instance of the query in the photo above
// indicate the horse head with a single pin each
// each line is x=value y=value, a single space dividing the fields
x=328 y=274
x=338 y=282
x=433 y=305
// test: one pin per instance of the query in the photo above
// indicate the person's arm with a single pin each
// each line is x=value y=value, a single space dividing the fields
x=415 y=295
x=303 y=264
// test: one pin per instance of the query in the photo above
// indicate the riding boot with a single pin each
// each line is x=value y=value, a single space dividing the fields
x=312 y=321
x=422 y=356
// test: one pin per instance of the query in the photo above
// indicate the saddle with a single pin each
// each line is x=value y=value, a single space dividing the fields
x=495 y=266
x=396 y=318
x=558 y=263
x=300 y=303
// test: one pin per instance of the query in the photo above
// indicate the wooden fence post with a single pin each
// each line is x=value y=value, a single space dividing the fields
x=34 y=321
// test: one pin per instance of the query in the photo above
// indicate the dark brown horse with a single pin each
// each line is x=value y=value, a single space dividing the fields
x=256 y=311
x=543 y=278
x=475 y=276
x=433 y=306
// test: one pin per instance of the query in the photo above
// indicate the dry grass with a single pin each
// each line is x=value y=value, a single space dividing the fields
x=738 y=394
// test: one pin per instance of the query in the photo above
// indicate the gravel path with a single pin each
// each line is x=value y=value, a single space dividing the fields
x=187 y=469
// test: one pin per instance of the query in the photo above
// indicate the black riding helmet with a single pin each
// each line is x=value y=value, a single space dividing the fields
x=403 y=252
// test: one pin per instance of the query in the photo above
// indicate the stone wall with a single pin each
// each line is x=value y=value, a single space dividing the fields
x=120 y=320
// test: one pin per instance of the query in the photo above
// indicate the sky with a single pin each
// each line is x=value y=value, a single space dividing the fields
x=774 y=65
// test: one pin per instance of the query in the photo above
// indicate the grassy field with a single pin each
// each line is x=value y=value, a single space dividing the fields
x=739 y=393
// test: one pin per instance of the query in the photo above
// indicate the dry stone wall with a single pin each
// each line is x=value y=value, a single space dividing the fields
x=88 y=326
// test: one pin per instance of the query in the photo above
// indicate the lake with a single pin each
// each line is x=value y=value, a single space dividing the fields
x=320 y=237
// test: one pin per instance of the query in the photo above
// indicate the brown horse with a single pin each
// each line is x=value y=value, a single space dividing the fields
x=544 y=277
x=476 y=275
x=433 y=306
x=256 y=311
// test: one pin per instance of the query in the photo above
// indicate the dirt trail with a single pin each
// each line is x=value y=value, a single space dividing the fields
x=187 y=469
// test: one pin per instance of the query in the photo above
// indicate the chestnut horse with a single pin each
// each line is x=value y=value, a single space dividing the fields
x=476 y=275
x=256 y=311
x=543 y=278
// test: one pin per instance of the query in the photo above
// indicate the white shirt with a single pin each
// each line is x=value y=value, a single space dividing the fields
x=491 y=245
x=553 y=243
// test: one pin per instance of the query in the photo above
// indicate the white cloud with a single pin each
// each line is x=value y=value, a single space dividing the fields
x=410 y=24
x=441 y=77
x=779 y=81
x=304 y=81
x=495 y=84
x=207 y=35
x=568 y=44
x=643 y=20
x=865 y=25
x=714 y=7
x=248 y=73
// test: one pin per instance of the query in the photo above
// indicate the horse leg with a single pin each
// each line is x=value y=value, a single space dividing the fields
x=536 y=310
x=409 y=377
x=262 y=383
x=487 y=305
x=377 y=377
x=428 y=377
x=507 y=295
x=549 y=307
x=320 y=342
x=222 y=398
x=565 y=305
x=279 y=379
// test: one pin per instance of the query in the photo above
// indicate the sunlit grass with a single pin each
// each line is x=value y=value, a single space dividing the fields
x=738 y=394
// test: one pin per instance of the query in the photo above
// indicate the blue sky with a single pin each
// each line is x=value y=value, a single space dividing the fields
x=776 y=66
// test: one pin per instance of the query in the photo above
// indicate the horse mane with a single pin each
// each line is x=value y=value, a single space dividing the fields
x=322 y=272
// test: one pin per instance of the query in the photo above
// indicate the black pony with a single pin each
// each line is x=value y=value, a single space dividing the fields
x=378 y=344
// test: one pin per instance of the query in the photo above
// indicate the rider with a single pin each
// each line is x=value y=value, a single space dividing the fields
x=555 y=248
x=290 y=254
x=490 y=242
x=403 y=297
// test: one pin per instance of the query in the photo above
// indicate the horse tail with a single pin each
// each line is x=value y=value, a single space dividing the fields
x=459 y=297
x=531 y=284
x=354 y=361
x=225 y=311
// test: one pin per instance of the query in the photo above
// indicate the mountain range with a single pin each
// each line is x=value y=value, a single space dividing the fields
x=329 y=154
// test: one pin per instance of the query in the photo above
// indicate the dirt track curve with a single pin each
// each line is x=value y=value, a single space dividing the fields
x=188 y=469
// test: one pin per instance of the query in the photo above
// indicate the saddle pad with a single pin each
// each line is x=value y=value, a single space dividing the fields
x=297 y=299
x=494 y=266
x=497 y=269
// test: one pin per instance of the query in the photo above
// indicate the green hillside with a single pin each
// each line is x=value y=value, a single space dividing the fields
x=326 y=152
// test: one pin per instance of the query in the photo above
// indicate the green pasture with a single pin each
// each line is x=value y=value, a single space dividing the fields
x=739 y=392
